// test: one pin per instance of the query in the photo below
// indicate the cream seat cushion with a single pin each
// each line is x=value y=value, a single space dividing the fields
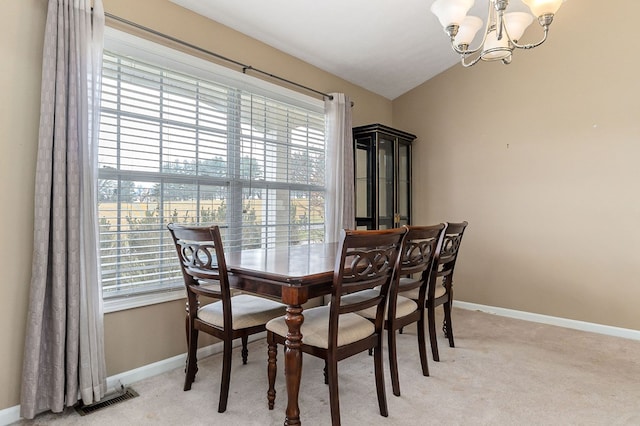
x=404 y=306
x=315 y=328
x=413 y=293
x=246 y=311
x=405 y=281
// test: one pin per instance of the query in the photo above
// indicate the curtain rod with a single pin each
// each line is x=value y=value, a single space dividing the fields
x=244 y=67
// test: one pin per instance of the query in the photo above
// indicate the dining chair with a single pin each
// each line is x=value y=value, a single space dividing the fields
x=440 y=288
x=204 y=269
x=420 y=252
x=365 y=260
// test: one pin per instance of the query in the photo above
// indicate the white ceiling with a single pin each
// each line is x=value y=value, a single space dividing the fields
x=386 y=46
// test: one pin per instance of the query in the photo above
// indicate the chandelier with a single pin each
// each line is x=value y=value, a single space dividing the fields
x=502 y=30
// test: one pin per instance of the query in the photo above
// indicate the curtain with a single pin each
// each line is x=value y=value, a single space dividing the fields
x=64 y=344
x=339 y=195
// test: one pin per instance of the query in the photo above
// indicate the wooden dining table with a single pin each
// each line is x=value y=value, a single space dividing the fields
x=293 y=274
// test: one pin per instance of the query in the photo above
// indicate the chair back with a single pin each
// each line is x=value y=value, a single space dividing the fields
x=202 y=261
x=421 y=252
x=449 y=253
x=366 y=260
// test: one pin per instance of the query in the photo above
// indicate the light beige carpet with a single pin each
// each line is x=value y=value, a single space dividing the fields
x=502 y=372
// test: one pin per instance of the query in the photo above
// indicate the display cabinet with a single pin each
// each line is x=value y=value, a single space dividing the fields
x=382 y=162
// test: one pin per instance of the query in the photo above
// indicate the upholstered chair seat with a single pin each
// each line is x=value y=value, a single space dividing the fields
x=315 y=328
x=246 y=311
x=413 y=293
x=404 y=305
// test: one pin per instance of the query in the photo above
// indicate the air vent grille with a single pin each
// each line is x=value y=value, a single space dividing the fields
x=107 y=401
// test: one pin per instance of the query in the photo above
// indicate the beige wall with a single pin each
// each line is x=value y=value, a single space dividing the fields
x=139 y=336
x=541 y=158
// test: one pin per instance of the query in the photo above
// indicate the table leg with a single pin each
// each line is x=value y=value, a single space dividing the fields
x=293 y=363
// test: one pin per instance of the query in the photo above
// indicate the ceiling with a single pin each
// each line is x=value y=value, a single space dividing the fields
x=386 y=46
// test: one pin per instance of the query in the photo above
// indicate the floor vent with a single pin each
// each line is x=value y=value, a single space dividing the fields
x=107 y=401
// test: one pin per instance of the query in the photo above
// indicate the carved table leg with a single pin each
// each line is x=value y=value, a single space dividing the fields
x=293 y=363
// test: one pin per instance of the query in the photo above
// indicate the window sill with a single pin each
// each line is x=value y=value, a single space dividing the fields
x=130 y=302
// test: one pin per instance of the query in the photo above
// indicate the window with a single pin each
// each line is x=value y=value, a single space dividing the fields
x=185 y=141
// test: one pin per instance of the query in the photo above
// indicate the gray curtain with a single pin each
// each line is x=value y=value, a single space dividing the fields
x=64 y=345
x=339 y=199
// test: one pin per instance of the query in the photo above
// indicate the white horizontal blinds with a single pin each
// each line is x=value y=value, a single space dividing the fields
x=179 y=148
x=286 y=148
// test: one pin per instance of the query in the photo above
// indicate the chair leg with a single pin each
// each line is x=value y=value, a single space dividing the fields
x=334 y=402
x=448 y=324
x=272 y=367
x=192 y=360
x=422 y=346
x=245 y=351
x=379 y=373
x=393 y=361
x=226 y=376
x=431 y=320
x=187 y=332
x=326 y=374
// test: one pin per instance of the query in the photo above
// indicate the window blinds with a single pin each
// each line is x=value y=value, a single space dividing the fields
x=178 y=147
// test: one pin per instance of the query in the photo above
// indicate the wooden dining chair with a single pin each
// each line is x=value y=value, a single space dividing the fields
x=204 y=269
x=420 y=252
x=440 y=289
x=365 y=260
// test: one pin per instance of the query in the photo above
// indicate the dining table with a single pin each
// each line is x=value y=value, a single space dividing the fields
x=292 y=274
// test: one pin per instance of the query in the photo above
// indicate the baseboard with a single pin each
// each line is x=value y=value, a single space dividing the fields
x=626 y=333
x=12 y=414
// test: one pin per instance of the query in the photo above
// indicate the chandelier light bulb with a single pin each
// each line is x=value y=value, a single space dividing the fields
x=467 y=31
x=543 y=7
x=451 y=12
x=516 y=23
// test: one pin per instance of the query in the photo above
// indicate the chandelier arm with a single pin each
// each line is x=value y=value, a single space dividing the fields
x=530 y=45
x=469 y=64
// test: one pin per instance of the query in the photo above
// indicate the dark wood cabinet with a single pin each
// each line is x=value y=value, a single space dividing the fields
x=382 y=161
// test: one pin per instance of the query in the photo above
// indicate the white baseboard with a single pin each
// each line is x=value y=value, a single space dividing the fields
x=626 y=333
x=12 y=414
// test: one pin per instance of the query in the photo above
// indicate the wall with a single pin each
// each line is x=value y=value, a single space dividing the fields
x=541 y=158
x=135 y=337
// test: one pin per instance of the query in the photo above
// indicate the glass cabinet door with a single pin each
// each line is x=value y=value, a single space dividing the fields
x=364 y=184
x=404 y=185
x=386 y=199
